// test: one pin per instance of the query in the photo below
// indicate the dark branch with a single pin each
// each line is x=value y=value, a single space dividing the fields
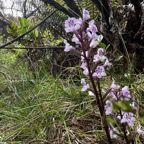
x=24 y=8
x=103 y=7
x=58 y=7
x=137 y=6
x=21 y=36
x=72 y=5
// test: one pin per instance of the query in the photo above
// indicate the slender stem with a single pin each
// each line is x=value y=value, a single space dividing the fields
x=124 y=129
x=125 y=135
x=99 y=88
x=103 y=116
x=99 y=101
x=91 y=78
x=107 y=92
x=100 y=105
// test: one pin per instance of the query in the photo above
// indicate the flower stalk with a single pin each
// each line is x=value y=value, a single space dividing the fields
x=115 y=102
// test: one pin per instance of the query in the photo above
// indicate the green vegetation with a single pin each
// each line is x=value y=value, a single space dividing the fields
x=38 y=109
x=42 y=108
x=41 y=101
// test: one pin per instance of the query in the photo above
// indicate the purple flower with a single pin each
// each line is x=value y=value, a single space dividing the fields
x=128 y=118
x=93 y=43
x=91 y=22
x=90 y=93
x=99 y=72
x=100 y=52
x=75 y=39
x=92 y=27
x=68 y=47
x=86 y=72
x=108 y=107
x=84 y=84
x=91 y=33
x=72 y=24
x=83 y=65
x=133 y=105
x=86 y=15
x=109 y=94
x=139 y=130
x=95 y=59
x=114 y=87
x=126 y=93
x=107 y=63
x=92 y=36
x=95 y=39
x=99 y=56
x=113 y=132
x=99 y=38
x=112 y=95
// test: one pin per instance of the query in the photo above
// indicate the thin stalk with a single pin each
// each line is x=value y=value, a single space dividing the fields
x=103 y=112
x=124 y=130
x=91 y=78
x=99 y=101
x=100 y=105
x=99 y=88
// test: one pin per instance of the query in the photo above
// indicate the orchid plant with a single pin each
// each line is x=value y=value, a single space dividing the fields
x=115 y=102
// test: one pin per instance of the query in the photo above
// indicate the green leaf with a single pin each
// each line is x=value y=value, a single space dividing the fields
x=115 y=3
x=2 y=104
x=102 y=45
x=118 y=58
x=9 y=30
x=30 y=27
x=115 y=107
x=21 y=30
x=23 y=21
x=45 y=33
x=142 y=120
x=121 y=105
x=111 y=120
x=36 y=33
x=141 y=114
x=20 y=46
x=14 y=26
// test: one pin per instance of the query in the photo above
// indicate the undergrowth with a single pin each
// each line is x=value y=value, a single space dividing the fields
x=42 y=109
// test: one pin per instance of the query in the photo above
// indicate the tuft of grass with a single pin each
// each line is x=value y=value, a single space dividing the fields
x=40 y=108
